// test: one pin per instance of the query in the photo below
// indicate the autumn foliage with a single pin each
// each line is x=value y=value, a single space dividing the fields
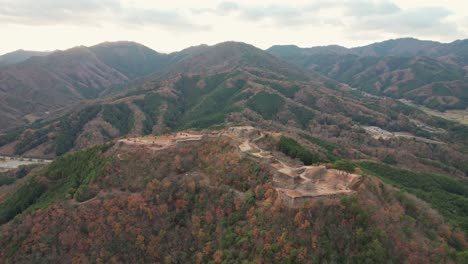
x=213 y=205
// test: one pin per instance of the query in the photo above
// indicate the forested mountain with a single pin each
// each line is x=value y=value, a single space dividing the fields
x=403 y=47
x=63 y=78
x=206 y=202
x=129 y=58
x=232 y=88
x=426 y=72
x=452 y=53
x=30 y=89
x=229 y=56
x=151 y=165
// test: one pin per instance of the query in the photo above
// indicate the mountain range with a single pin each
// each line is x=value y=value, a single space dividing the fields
x=429 y=73
x=39 y=85
x=34 y=84
x=201 y=87
x=144 y=142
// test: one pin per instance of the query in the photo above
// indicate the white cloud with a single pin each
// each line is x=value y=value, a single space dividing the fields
x=91 y=13
x=173 y=25
x=426 y=22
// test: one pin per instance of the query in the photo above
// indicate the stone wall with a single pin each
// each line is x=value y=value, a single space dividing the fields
x=244 y=132
x=283 y=180
x=188 y=142
x=302 y=200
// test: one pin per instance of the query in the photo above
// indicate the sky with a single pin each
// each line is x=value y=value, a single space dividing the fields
x=172 y=25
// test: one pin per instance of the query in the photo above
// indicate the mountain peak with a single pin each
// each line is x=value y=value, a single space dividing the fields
x=118 y=44
x=230 y=55
x=130 y=58
x=234 y=44
x=398 y=47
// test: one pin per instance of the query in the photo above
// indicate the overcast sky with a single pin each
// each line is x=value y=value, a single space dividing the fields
x=171 y=25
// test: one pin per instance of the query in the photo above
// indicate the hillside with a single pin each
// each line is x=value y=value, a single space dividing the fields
x=206 y=196
x=43 y=84
x=29 y=90
x=429 y=73
x=33 y=88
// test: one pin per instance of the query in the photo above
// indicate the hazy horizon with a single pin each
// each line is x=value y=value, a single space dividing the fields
x=168 y=27
x=287 y=44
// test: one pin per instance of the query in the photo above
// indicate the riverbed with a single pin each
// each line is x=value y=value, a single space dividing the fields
x=8 y=163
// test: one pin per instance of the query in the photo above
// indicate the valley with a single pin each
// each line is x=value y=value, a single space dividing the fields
x=459 y=116
x=378 y=133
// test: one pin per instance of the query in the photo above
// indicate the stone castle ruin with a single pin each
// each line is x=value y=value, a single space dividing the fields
x=296 y=185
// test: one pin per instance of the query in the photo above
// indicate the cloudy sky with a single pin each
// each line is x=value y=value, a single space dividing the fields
x=171 y=25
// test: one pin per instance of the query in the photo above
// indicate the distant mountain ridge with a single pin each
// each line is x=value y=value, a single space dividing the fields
x=403 y=47
x=19 y=56
x=430 y=73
